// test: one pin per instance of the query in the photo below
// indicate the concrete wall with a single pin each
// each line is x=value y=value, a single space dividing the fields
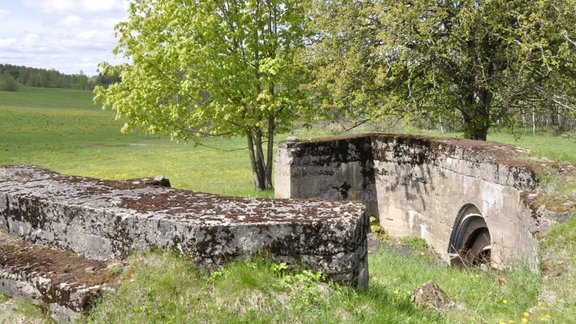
x=418 y=186
x=107 y=220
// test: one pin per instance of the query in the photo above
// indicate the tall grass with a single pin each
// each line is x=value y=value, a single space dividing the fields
x=165 y=288
x=558 y=250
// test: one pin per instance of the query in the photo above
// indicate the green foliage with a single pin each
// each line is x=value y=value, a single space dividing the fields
x=36 y=77
x=8 y=83
x=415 y=243
x=483 y=61
x=211 y=68
x=376 y=229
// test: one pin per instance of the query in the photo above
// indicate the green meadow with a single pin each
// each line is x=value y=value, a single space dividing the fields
x=66 y=132
x=63 y=130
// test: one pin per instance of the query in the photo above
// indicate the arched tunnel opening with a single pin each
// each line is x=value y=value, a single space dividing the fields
x=470 y=242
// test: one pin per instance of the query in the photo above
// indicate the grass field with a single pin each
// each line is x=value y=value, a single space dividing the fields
x=78 y=138
x=62 y=130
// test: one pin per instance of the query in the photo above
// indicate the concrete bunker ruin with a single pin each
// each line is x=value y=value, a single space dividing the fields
x=100 y=221
x=473 y=202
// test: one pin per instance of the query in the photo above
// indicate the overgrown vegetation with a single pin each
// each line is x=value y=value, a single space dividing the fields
x=8 y=83
x=60 y=129
x=558 y=298
x=166 y=288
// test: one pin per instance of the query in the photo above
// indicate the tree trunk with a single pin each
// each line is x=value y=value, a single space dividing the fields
x=260 y=158
x=475 y=131
x=477 y=115
x=533 y=121
x=256 y=175
x=270 y=152
x=261 y=172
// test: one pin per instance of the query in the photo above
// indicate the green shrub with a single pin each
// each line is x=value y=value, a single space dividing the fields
x=8 y=83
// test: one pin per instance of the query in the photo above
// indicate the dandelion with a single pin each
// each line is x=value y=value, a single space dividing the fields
x=524 y=320
x=526 y=314
x=396 y=292
x=505 y=301
x=511 y=321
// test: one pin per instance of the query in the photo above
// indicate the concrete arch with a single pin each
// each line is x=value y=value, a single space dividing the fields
x=469 y=194
x=470 y=240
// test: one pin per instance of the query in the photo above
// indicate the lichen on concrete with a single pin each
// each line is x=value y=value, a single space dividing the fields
x=106 y=220
x=63 y=283
x=417 y=186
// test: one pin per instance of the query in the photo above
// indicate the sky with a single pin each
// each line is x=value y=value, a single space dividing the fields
x=66 y=35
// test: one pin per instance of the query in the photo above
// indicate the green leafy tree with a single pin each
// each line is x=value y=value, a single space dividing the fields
x=483 y=60
x=7 y=82
x=211 y=68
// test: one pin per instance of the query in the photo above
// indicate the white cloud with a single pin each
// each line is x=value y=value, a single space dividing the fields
x=52 y=6
x=67 y=35
x=106 y=23
x=64 y=7
x=7 y=42
x=70 y=20
x=4 y=13
x=103 y=5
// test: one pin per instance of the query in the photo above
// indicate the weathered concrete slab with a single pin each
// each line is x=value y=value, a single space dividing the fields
x=446 y=191
x=63 y=283
x=106 y=220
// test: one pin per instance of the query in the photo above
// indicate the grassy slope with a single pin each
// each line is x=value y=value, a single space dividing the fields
x=62 y=130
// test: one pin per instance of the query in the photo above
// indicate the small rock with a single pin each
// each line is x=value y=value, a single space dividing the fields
x=157 y=181
x=431 y=296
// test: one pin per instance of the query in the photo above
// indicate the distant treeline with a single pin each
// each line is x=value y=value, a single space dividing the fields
x=11 y=76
